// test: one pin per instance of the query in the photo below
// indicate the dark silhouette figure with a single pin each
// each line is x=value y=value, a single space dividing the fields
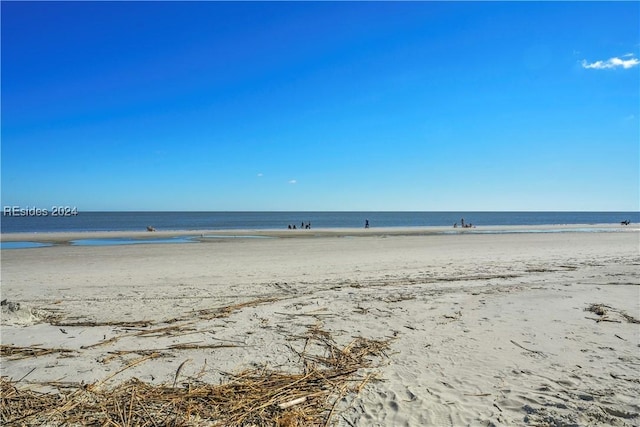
x=366 y=223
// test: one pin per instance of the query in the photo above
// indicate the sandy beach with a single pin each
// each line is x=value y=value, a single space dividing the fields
x=484 y=328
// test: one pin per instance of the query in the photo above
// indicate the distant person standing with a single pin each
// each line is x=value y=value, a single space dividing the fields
x=366 y=223
x=462 y=222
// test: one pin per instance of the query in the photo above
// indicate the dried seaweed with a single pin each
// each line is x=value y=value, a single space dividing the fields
x=228 y=310
x=599 y=309
x=256 y=397
x=124 y=324
x=14 y=352
x=603 y=311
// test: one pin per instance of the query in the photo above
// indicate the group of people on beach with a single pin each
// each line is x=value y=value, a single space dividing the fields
x=463 y=225
x=306 y=226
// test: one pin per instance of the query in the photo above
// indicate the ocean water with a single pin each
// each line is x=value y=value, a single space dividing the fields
x=138 y=221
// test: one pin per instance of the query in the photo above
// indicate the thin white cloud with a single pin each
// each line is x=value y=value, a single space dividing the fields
x=612 y=63
x=260 y=174
x=293 y=181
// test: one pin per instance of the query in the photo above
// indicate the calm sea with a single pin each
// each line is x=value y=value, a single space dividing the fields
x=131 y=221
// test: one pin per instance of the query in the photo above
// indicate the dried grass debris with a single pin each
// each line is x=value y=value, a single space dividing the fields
x=255 y=397
x=606 y=312
x=12 y=352
x=599 y=309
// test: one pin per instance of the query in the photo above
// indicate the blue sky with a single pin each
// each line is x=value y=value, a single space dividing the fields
x=321 y=106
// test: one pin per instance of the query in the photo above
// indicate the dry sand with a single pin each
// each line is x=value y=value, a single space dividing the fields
x=486 y=329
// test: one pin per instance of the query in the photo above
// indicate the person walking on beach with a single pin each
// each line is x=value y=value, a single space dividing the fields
x=366 y=223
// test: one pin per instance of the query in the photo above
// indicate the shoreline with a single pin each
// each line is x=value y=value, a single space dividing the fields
x=66 y=237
